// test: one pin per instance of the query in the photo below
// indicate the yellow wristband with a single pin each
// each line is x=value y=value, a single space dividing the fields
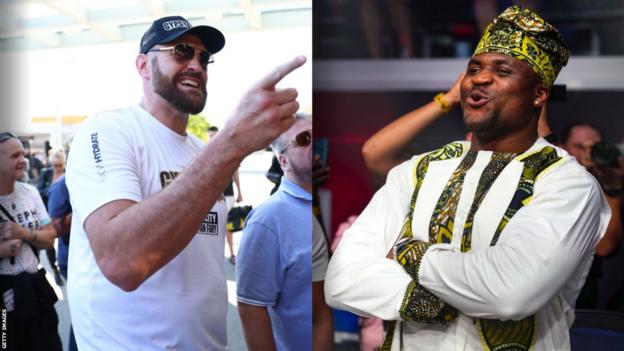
x=441 y=101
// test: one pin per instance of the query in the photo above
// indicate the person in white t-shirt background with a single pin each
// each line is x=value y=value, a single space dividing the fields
x=26 y=298
x=149 y=215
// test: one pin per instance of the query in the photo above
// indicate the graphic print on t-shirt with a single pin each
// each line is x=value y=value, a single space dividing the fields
x=26 y=217
x=29 y=219
x=167 y=177
x=210 y=224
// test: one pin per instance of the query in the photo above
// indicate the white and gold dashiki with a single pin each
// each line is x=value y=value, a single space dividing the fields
x=509 y=237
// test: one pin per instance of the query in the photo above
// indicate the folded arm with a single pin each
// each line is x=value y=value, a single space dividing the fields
x=536 y=254
x=360 y=278
x=41 y=238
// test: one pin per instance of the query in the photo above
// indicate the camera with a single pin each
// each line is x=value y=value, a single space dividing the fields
x=605 y=154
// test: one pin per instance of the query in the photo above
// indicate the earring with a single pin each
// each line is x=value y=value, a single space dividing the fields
x=536 y=102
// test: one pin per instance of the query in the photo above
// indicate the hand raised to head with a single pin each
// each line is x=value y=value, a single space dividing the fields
x=453 y=96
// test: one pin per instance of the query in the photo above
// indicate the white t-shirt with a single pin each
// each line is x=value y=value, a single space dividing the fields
x=25 y=206
x=320 y=253
x=128 y=154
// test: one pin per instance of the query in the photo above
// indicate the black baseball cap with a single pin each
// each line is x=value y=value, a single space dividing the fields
x=169 y=28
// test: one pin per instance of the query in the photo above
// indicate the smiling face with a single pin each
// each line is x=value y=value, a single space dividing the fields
x=12 y=161
x=500 y=95
x=181 y=83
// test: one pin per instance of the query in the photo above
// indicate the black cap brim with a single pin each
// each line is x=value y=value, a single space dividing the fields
x=212 y=38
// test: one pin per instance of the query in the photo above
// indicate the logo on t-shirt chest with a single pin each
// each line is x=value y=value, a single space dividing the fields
x=28 y=218
x=210 y=224
x=167 y=177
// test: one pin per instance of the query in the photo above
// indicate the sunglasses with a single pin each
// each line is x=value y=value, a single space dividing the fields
x=302 y=139
x=184 y=53
x=7 y=135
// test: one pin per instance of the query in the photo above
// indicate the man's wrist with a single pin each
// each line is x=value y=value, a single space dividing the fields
x=444 y=105
x=409 y=254
x=451 y=99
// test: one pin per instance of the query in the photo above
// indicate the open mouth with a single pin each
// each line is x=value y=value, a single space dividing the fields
x=190 y=83
x=477 y=99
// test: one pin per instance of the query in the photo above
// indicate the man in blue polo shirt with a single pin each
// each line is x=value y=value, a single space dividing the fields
x=274 y=273
x=60 y=211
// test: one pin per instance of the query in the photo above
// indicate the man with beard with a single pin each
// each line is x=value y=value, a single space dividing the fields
x=274 y=271
x=146 y=258
x=482 y=244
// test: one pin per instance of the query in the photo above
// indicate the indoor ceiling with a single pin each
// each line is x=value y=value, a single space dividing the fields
x=40 y=24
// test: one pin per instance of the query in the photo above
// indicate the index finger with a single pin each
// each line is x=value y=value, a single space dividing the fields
x=281 y=71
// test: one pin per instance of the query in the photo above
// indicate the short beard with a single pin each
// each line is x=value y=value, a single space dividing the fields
x=303 y=174
x=482 y=126
x=166 y=88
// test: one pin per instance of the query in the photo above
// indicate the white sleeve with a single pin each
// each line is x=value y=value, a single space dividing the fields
x=44 y=218
x=538 y=251
x=320 y=252
x=102 y=165
x=360 y=278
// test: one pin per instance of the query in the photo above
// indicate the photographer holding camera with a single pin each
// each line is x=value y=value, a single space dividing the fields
x=584 y=141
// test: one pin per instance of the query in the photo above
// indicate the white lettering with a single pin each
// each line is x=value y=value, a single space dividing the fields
x=3 y=341
x=170 y=25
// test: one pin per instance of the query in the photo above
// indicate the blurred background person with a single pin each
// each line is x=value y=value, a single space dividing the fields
x=49 y=176
x=603 y=281
x=229 y=198
x=322 y=318
x=274 y=272
x=25 y=228
x=60 y=210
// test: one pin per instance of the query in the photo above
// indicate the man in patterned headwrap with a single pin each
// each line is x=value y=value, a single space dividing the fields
x=482 y=244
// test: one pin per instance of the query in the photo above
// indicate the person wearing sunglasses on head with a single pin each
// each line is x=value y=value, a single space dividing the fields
x=274 y=268
x=26 y=296
x=149 y=214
